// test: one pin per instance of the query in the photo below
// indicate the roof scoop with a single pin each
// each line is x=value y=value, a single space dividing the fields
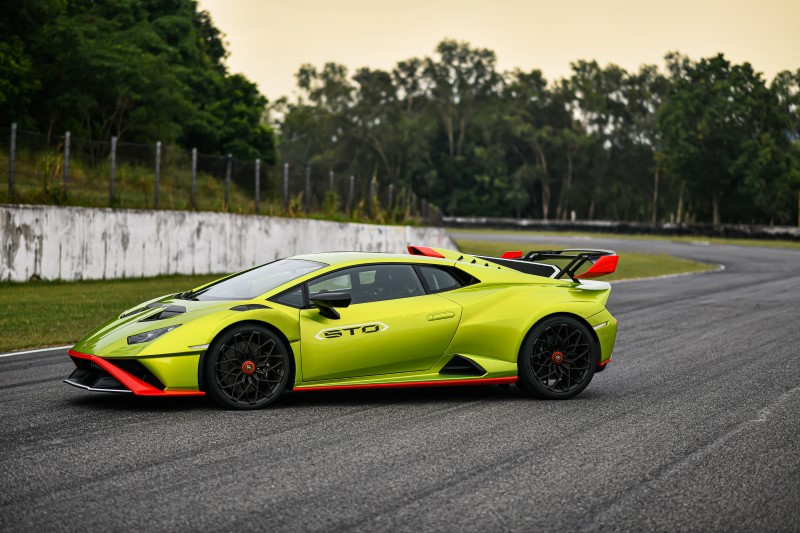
x=424 y=250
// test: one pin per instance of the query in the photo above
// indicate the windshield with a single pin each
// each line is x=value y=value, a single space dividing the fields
x=251 y=283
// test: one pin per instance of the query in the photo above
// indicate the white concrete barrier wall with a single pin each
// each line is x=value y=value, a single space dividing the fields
x=73 y=243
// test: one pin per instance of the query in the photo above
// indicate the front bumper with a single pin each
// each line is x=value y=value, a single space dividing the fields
x=97 y=374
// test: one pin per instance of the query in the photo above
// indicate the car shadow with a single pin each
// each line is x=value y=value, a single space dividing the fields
x=129 y=402
x=318 y=399
x=294 y=399
x=409 y=395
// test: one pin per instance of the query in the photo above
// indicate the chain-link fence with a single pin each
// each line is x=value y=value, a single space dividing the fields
x=66 y=170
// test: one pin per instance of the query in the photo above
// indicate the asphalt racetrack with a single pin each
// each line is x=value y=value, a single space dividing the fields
x=694 y=426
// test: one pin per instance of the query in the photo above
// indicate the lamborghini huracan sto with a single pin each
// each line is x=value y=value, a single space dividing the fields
x=349 y=320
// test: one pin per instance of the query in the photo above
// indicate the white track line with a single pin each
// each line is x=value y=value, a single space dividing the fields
x=720 y=268
x=10 y=354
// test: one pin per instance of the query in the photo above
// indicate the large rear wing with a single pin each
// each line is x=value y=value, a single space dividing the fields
x=603 y=262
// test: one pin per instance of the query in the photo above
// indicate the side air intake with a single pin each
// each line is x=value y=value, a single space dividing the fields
x=461 y=366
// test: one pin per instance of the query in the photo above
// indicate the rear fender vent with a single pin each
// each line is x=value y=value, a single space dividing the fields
x=462 y=366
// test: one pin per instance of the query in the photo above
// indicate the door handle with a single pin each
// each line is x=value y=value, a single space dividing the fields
x=441 y=316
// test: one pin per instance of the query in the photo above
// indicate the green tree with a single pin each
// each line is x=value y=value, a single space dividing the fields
x=724 y=134
x=143 y=70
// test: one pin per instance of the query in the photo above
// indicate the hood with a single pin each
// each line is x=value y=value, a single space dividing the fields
x=111 y=338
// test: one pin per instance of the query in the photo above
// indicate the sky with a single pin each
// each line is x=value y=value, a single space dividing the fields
x=268 y=40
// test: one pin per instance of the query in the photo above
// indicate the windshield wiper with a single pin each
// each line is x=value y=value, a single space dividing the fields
x=188 y=295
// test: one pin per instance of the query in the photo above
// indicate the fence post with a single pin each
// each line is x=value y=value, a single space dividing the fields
x=158 y=174
x=258 y=185
x=330 y=181
x=286 y=186
x=370 y=207
x=113 y=171
x=65 y=181
x=228 y=171
x=11 y=157
x=307 y=190
x=350 y=194
x=194 y=177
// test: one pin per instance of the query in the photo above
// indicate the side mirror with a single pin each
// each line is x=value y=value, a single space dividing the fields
x=326 y=302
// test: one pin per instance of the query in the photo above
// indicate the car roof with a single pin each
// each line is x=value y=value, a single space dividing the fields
x=336 y=258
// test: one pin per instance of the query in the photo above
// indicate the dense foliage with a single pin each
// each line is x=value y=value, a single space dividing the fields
x=704 y=141
x=143 y=70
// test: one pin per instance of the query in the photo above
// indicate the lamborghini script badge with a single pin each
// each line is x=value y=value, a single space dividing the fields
x=351 y=331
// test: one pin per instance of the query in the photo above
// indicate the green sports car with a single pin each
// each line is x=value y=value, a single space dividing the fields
x=351 y=320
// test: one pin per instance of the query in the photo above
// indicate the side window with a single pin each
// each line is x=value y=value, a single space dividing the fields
x=439 y=280
x=373 y=283
x=338 y=281
x=292 y=297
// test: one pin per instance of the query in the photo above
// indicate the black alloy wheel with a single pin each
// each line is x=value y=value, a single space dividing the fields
x=558 y=359
x=246 y=368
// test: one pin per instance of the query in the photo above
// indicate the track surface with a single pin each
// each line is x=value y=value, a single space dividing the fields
x=694 y=426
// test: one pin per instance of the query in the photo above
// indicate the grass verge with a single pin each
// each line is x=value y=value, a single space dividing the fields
x=631 y=265
x=47 y=313
x=571 y=234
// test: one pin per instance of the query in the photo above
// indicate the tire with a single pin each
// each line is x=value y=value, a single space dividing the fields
x=247 y=367
x=557 y=359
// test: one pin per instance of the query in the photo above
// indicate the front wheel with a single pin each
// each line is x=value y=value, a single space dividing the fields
x=247 y=367
x=557 y=359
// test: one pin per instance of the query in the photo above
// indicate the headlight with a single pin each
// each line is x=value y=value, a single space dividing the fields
x=149 y=335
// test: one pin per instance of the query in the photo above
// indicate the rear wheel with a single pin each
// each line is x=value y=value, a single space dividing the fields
x=246 y=368
x=558 y=359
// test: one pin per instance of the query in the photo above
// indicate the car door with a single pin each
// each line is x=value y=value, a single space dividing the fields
x=391 y=325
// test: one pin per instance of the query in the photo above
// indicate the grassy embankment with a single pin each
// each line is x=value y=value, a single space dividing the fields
x=39 y=181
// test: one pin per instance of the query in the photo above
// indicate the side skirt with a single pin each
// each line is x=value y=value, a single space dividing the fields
x=411 y=384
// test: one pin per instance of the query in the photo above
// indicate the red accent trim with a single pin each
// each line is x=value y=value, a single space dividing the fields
x=136 y=385
x=511 y=255
x=424 y=250
x=607 y=264
x=448 y=383
x=604 y=363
